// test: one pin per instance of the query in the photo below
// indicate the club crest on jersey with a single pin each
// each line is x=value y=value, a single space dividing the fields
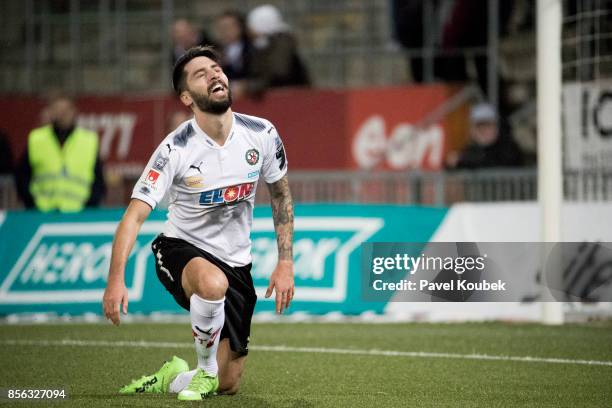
x=252 y=156
x=226 y=195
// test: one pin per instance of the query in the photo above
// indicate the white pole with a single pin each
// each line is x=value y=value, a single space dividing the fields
x=549 y=133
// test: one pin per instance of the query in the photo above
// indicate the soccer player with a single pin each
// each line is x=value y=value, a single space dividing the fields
x=210 y=165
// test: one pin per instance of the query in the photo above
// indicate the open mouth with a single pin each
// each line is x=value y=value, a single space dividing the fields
x=217 y=88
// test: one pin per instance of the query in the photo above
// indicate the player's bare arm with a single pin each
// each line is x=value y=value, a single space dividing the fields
x=116 y=294
x=282 y=214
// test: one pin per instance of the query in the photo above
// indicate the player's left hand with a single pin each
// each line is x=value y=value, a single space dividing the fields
x=282 y=283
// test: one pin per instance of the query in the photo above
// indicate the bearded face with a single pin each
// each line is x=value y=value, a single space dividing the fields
x=206 y=86
x=216 y=100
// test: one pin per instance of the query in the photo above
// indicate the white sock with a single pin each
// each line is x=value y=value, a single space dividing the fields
x=207 y=318
x=181 y=381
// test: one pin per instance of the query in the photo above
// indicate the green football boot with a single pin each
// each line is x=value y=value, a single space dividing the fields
x=158 y=382
x=202 y=385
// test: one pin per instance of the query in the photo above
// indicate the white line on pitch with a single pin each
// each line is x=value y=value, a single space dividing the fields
x=315 y=350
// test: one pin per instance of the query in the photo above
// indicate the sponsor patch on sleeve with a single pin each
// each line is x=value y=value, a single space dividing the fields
x=160 y=162
x=152 y=177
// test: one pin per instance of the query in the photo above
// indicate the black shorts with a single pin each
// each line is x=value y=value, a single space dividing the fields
x=172 y=254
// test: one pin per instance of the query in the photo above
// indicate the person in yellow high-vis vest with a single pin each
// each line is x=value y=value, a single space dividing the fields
x=61 y=169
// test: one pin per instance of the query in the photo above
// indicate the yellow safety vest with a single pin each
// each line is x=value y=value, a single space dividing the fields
x=62 y=175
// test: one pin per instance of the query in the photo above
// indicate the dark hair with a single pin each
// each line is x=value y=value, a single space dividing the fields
x=178 y=72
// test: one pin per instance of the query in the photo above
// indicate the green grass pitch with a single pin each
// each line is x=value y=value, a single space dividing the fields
x=93 y=365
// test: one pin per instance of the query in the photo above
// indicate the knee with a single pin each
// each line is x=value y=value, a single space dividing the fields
x=207 y=281
x=211 y=286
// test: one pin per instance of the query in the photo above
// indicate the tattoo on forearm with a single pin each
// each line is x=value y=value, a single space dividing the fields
x=282 y=214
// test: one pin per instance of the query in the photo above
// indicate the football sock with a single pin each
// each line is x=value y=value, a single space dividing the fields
x=207 y=318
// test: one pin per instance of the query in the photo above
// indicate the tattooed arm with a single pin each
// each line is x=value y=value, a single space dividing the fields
x=282 y=214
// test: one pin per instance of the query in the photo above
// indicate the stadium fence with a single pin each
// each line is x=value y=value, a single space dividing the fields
x=415 y=187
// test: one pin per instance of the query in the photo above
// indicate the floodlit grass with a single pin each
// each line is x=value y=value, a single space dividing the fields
x=94 y=370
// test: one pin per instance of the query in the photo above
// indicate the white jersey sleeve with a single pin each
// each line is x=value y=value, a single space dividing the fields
x=274 y=165
x=158 y=174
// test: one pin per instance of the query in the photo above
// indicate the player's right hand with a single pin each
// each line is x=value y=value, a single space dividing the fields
x=115 y=298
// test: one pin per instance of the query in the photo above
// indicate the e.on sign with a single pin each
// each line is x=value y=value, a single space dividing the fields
x=402 y=147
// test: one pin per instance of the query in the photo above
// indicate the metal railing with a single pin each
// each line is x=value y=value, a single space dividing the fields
x=414 y=187
x=440 y=188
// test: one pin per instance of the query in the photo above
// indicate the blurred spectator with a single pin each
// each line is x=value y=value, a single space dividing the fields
x=6 y=155
x=275 y=61
x=489 y=147
x=234 y=44
x=61 y=169
x=185 y=36
x=407 y=25
x=454 y=24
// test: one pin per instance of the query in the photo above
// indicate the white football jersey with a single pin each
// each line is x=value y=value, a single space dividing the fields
x=212 y=187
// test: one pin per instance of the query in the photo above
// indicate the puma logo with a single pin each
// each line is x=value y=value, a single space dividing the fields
x=210 y=341
x=207 y=332
x=193 y=166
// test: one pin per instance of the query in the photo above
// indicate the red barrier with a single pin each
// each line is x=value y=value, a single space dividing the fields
x=324 y=129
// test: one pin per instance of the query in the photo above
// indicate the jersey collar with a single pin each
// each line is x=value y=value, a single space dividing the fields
x=209 y=141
